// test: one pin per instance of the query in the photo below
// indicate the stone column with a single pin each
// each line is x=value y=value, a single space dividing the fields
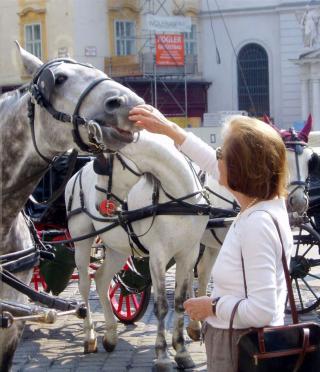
x=305 y=105
x=316 y=103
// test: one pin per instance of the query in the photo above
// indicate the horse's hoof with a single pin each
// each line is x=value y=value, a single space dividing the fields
x=184 y=362
x=162 y=367
x=194 y=334
x=107 y=345
x=90 y=346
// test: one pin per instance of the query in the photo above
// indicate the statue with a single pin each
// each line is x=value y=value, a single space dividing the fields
x=309 y=23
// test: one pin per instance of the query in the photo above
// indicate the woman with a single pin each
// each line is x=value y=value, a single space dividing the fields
x=252 y=165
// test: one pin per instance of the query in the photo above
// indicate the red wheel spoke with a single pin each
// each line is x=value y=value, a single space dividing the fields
x=135 y=301
x=43 y=282
x=36 y=286
x=113 y=290
x=128 y=306
x=120 y=302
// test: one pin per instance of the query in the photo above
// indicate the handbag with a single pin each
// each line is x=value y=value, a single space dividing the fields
x=294 y=347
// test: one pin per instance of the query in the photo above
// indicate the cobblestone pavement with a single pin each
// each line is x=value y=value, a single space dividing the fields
x=59 y=346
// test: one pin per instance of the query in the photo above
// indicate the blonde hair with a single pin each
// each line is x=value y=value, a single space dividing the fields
x=255 y=157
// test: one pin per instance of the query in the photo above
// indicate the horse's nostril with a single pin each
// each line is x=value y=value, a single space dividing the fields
x=113 y=103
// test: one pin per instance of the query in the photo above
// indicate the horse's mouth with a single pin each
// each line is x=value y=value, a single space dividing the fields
x=121 y=134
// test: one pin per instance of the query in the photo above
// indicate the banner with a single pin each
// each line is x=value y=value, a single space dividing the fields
x=167 y=24
x=170 y=50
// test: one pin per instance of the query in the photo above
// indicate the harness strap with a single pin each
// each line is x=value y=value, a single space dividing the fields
x=33 y=135
x=215 y=236
x=133 y=238
x=76 y=118
x=43 y=298
x=126 y=166
x=15 y=255
x=23 y=263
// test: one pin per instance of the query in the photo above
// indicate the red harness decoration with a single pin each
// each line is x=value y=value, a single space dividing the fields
x=107 y=207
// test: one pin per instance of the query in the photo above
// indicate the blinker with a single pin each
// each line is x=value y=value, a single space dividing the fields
x=46 y=83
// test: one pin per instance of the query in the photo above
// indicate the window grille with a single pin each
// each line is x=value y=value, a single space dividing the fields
x=190 y=41
x=33 y=39
x=125 y=38
x=253 y=80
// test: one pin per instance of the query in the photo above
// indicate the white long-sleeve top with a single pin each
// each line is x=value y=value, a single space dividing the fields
x=253 y=234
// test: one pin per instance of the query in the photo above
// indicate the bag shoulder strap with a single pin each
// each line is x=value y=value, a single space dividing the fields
x=294 y=313
x=293 y=308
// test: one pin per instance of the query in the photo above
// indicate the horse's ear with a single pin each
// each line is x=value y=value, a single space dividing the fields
x=304 y=133
x=268 y=121
x=30 y=62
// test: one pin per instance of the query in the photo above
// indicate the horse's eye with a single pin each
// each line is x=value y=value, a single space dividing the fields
x=60 y=79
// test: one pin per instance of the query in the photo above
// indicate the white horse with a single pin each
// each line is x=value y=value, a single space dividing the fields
x=299 y=157
x=164 y=236
x=66 y=105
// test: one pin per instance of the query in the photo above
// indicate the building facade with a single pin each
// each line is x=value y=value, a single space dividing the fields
x=111 y=35
x=238 y=54
x=263 y=65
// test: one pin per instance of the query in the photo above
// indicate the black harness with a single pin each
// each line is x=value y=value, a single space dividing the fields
x=125 y=217
x=41 y=88
x=16 y=262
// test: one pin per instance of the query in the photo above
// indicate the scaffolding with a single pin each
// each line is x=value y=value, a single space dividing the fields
x=144 y=68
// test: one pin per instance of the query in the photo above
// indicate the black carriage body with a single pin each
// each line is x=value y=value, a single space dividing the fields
x=314 y=198
x=55 y=214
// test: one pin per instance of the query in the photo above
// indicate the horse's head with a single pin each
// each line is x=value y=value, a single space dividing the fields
x=78 y=103
x=301 y=160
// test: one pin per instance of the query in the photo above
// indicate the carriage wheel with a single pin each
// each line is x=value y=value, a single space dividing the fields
x=305 y=269
x=128 y=309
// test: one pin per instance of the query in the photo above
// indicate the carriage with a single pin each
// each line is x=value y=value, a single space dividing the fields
x=305 y=262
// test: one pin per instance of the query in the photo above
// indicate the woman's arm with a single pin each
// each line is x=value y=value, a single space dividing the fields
x=149 y=118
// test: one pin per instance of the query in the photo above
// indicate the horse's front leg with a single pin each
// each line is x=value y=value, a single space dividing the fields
x=111 y=265
x=205 y=267
x=158 y=272
x=184 y=266
x=82 y=257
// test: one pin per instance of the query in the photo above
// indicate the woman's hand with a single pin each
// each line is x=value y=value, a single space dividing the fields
x=151 y=119
x=198 y=308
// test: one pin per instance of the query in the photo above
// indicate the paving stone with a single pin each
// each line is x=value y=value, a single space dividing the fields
x=59 y=347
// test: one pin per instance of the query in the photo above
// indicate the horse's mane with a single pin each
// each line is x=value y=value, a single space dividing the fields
x=12 y=96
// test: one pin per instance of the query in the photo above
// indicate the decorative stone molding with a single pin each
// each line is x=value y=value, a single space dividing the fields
x=117 y=5
x=25 y=11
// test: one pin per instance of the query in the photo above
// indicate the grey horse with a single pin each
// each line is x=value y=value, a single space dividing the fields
x=26 y=153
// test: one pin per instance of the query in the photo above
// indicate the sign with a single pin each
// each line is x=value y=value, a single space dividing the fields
x=90 y=51
x=170 y=50
x=63 y=52
x=168 y=24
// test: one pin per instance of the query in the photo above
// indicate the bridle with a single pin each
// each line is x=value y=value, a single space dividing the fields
x=296 y=145
x=41 y=88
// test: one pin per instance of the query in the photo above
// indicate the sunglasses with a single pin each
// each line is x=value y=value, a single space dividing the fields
x=219 y=153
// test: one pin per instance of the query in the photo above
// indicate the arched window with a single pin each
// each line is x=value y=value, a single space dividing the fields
x=253 y=80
